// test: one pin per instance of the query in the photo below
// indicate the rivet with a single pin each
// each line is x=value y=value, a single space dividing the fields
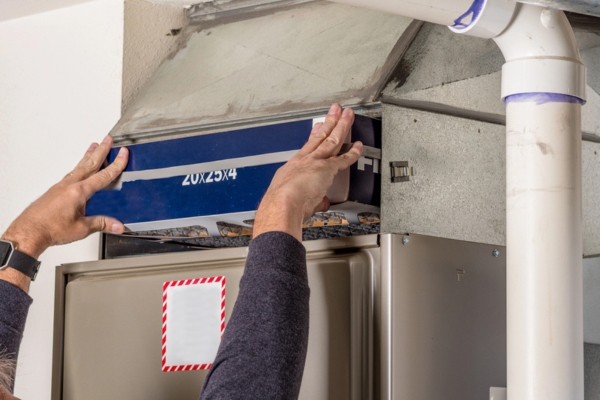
x=496 y=253
x=405 y=241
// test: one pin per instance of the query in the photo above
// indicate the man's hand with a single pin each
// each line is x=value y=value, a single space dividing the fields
x=299 y=188
x=58 y=217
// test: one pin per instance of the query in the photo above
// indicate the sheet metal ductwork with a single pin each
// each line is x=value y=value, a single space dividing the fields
x=254 y=64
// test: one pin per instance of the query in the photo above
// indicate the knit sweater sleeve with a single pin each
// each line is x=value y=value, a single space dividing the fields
x=14 y=306
x=263 y=350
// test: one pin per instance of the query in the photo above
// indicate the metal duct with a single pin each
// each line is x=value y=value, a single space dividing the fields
x=589 y=7
x=261 y=63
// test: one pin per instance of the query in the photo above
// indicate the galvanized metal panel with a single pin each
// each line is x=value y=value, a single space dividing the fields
x=459 y=188
x=459 y=191
x=259 y=63
x=590 y=7
x=591 y=301
x=458 y=73
x=591 y=356
x=447 y=317
x=444 y=319
x=590 y=154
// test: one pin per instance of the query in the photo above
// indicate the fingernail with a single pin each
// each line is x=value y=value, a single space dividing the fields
x=334 y=110
x=122 y=152
x=93 y=147
x=116 y=228
x=106 y=139
x=347 y=112
x=359 y=146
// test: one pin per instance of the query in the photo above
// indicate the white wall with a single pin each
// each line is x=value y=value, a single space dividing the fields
x=60 y=89
x=11 y=9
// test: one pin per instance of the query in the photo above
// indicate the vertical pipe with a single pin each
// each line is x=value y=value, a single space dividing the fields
x=543 y=84
x=544 y=248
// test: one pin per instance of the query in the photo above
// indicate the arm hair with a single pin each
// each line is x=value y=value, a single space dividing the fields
x=7 y=371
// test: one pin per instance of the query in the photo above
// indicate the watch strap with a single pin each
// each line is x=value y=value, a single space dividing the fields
x=24 y=263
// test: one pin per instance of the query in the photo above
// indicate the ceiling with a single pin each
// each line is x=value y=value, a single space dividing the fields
x=12 y=9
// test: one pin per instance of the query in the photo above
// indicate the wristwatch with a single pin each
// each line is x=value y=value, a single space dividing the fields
x=11 y=257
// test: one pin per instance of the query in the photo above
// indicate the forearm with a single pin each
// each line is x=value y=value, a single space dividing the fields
x=14 y=306
x=263 y=350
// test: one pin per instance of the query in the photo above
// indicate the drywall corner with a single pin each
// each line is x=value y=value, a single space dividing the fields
x=150 y=32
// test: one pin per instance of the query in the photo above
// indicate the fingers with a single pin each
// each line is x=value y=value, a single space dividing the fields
x=316 y=128
x=78 y=171
x=103 y=178
x=322 y=130
x=103 y=224
x=93 y=159
x=347 y=159
x=333 y=143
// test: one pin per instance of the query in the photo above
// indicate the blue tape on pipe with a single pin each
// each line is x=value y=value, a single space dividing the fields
x=474 y=12
x=543 y=98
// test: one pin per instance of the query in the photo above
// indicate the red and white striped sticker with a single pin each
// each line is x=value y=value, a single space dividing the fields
x=193 y=323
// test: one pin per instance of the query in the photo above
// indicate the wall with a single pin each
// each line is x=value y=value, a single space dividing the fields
x=150 y=32
x=60 y=89
x=12 y=9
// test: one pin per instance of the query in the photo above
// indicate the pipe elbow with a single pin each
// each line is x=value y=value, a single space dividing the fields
x=485 y=18
x=542 y=55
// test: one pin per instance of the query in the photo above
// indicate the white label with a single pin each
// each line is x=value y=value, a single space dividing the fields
x=193 y=324
x=318 y=120
x=364 y=161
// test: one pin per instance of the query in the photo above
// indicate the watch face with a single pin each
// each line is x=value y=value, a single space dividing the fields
x=5 y=251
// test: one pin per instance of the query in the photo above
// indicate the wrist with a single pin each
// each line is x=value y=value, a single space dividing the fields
x=279 y=212
x=28 y=244
x=16 y=278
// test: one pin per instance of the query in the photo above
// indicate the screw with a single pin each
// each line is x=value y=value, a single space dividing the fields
x=405 y=241
x=496 y=253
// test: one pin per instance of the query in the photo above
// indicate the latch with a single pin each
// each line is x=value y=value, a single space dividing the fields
x=401 y=171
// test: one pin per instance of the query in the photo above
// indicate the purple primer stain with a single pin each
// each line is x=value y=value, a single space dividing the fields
x=474 y=11
x=543 y=98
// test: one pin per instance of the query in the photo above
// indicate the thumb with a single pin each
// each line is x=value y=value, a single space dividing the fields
x=104 y=224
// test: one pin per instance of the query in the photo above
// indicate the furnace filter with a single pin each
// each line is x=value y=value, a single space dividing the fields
x=213 y=182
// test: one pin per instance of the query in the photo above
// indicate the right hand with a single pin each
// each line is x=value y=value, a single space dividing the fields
x=299 y=188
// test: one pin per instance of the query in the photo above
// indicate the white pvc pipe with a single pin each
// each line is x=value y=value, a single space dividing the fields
x=542 y=55
x=483 y=18
x=544 y=87
x=544 y=251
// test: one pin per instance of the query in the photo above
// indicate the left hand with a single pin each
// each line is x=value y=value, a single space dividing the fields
x=298 y=189
x=58 y=217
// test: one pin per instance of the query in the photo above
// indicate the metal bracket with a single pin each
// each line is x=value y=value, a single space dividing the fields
x=401 y=171
x=368 y=151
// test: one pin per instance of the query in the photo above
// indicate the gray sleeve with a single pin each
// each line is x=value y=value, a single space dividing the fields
x=14 y=306
x=263 y=350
